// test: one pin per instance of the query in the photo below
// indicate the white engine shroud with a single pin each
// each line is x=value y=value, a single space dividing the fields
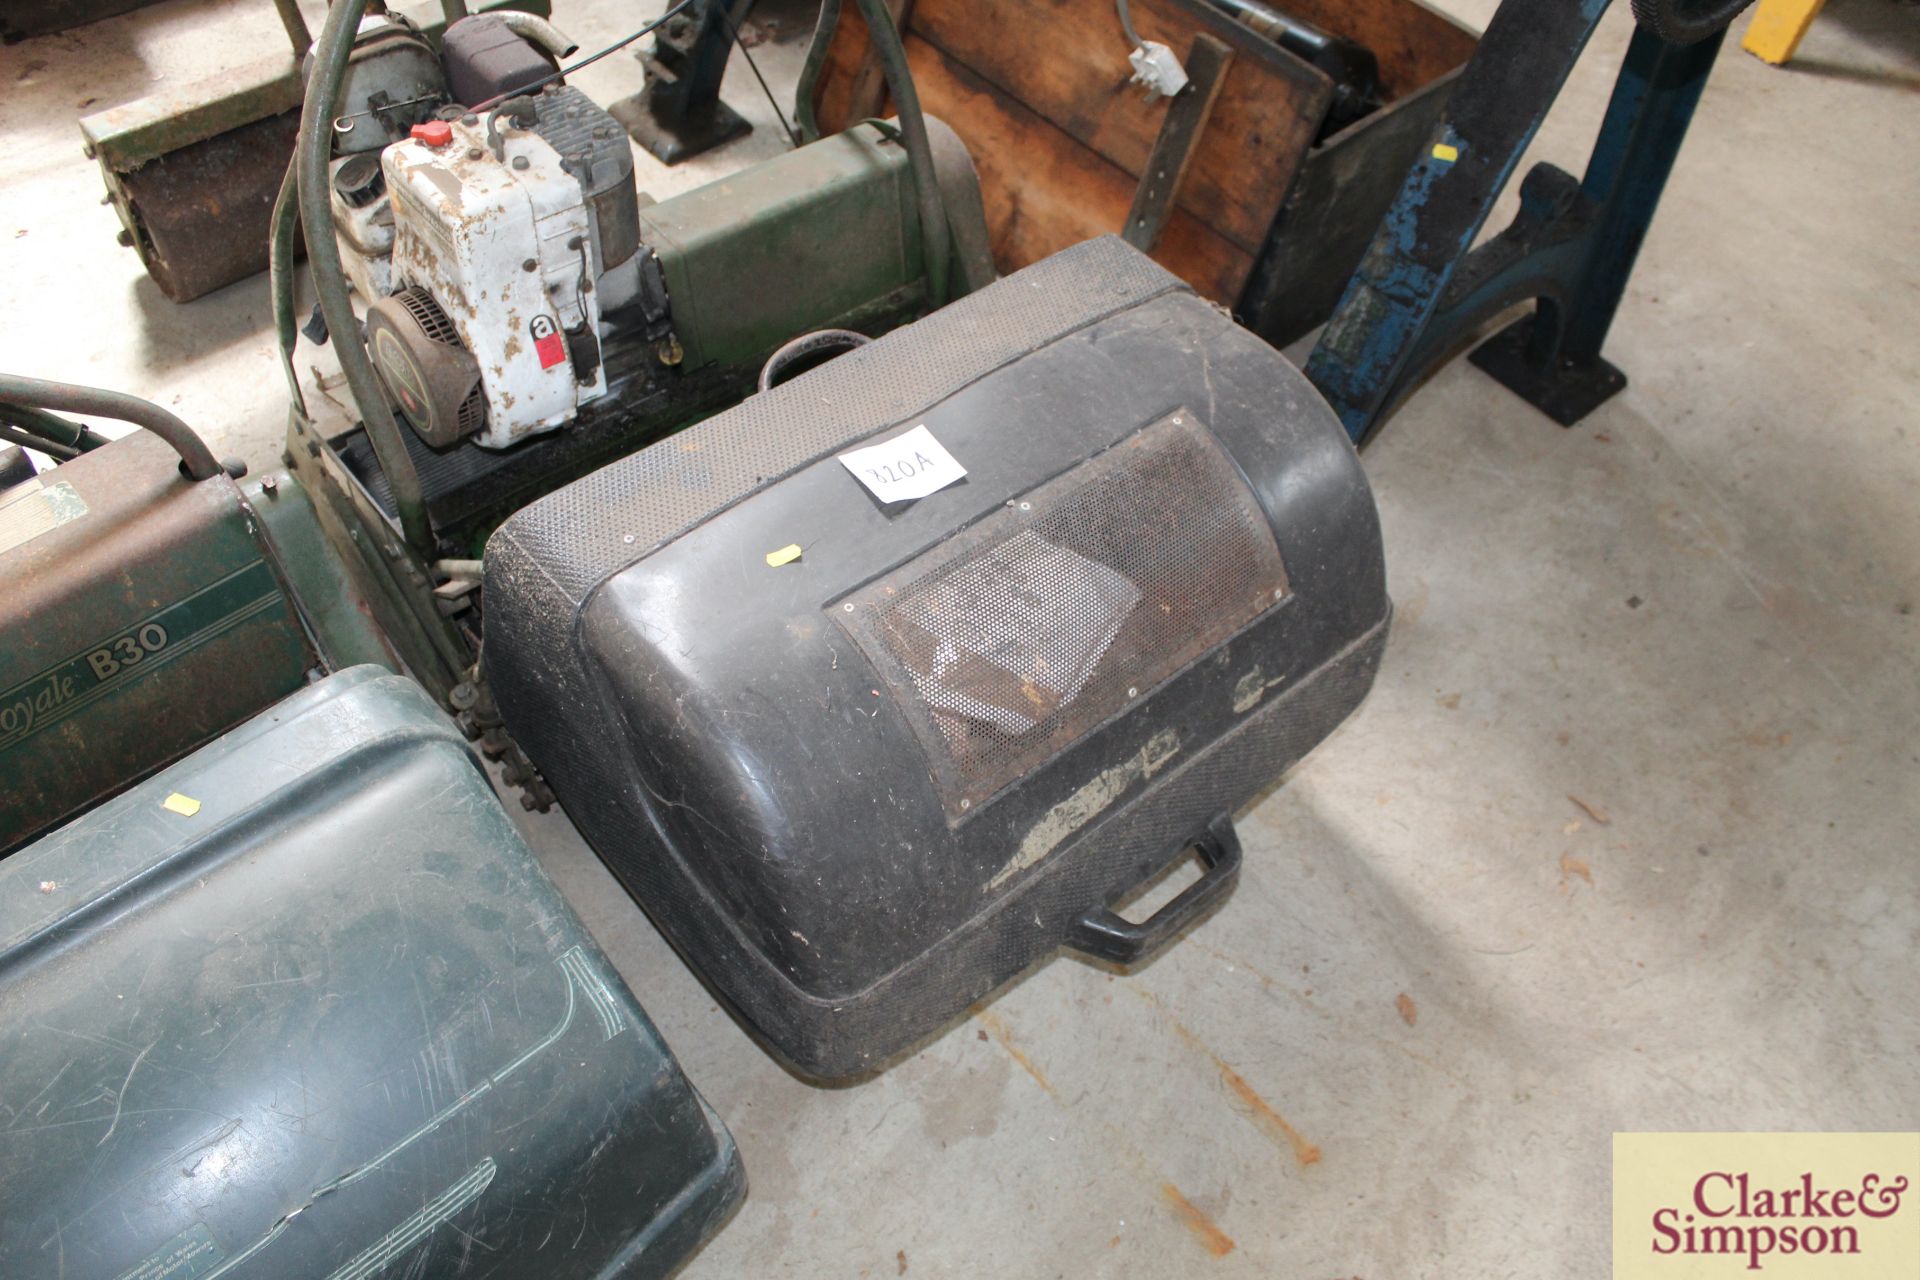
x=504 y=245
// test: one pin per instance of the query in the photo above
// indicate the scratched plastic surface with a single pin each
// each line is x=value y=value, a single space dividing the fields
x=337 y=1023
x=822 y=792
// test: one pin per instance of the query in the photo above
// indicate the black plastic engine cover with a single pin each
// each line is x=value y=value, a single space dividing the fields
x=485 y=60
x=863 y=788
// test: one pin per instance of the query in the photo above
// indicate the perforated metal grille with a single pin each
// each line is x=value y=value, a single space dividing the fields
x=1009 y=643
x=438 y=327
x=433 y=321
x=473 y=412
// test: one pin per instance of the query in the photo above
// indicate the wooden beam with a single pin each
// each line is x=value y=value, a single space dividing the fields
x=1173 y=150
x=1066 y=60
x=1083 y=195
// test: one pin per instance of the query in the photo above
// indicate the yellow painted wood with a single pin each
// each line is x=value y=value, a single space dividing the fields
x=1777 y=28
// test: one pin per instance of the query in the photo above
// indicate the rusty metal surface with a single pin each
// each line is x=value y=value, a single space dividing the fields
x=138 y=132
x=193 y=172
x=134 y=133
x=200 y=217
x=141 y=619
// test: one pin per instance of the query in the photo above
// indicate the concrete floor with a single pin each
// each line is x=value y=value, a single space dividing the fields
x=1624 y=838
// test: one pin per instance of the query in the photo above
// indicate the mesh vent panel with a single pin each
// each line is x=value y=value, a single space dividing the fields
x=544 y=562
x=473 y=412
x=433 y=321
x=1010 y=642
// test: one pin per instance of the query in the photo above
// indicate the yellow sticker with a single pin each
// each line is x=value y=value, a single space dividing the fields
x=185 y=806
x=1442 y=151
x=785 y=555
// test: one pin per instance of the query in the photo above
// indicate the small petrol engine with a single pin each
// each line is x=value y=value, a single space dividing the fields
x=495 y=239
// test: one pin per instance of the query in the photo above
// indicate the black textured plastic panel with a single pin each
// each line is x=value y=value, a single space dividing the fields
x=546 y=559
x=1028 y=922
x=604 y=522
x=1142 y=836
x=1006 y=644
x=597 y=590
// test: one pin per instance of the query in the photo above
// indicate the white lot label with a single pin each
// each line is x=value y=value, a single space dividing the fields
x=908 y=466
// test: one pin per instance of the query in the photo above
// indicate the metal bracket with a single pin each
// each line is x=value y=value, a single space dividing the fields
x=1186 y=118
x=1422 y=290
x=679 y=114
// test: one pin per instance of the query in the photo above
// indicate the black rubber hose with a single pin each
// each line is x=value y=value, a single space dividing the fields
x=51 y=426
x=808 y=344
x=311 y=153
x=196 y=460
x=913 y=131
x=58 y=452
x=823 y=30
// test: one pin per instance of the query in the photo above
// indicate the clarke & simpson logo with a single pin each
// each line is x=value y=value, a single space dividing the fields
x=1726 y=1215
x=1696 y=1206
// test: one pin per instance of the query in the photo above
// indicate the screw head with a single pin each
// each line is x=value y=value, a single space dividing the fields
x=530 y=265
x=1132 y=692
x=522 y=163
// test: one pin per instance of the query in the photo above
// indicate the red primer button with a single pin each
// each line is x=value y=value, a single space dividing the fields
x=435 y=133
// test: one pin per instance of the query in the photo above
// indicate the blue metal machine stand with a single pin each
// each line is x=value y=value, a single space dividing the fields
x=1422 y=290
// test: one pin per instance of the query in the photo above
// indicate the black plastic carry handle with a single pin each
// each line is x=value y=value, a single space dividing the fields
x=1104 y=935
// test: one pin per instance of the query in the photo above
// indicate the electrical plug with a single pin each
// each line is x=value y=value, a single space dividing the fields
x=1156 y=67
